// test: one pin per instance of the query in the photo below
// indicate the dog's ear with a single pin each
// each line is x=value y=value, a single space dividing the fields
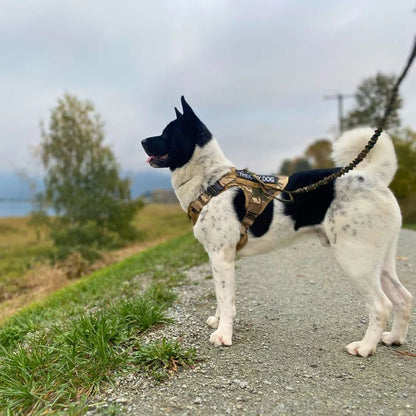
x=187 y=110
x=200 y=133
x=178 y=113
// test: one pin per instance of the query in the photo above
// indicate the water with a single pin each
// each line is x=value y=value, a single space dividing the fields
x=15 y=208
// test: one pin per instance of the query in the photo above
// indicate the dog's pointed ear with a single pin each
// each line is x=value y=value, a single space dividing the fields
x=178 y=113
x=187 y=110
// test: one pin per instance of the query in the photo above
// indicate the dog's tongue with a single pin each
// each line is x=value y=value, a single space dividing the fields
x=149 y=159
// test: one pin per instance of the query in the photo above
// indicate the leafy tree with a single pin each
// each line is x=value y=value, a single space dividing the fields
x=319 y=154
x=82 y=181
x=371 y=100
x=297 y=164
x=404 y=183
x=316 y=156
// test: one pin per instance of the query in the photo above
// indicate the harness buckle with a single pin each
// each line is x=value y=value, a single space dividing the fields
x=251 y=216
x=215 y=189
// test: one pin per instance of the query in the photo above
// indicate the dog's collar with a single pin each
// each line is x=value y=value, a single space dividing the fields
x=267 y=187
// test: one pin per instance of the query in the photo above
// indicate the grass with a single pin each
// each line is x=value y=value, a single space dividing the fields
x=59 y=351
x=73 y=358
x=162 y=358
x=25 y=272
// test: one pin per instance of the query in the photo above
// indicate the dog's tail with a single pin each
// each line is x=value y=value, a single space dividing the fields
x=380 y=161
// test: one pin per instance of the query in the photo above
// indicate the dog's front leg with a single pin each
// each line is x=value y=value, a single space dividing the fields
x=223 y=272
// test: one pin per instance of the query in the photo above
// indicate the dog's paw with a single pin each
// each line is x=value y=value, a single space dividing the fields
x=213 y=322
x=360 y=349
x=219 y=338
x=389 y=338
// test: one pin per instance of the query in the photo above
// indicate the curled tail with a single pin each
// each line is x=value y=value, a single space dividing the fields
x=380 y=162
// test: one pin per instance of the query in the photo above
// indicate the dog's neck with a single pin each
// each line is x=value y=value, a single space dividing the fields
x=207 y=165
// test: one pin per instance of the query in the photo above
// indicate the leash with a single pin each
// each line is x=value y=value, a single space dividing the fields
x=362 y=154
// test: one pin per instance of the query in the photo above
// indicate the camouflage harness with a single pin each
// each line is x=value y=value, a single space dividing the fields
x=258 y=190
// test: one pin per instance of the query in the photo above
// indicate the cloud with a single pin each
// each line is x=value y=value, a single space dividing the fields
x=255 y=72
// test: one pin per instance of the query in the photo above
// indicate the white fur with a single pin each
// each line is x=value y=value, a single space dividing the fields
x=381 y=161
x=361 y=225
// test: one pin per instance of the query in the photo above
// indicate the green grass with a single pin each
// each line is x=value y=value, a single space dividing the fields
x=57 y=353
x=162 y=358
x=410 y=226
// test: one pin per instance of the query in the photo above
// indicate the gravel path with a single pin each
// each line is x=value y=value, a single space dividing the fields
x=296 y=312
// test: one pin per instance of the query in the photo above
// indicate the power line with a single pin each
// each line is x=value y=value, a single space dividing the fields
x=340 y=98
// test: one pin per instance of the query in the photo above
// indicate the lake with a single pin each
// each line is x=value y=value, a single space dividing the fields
x=15 y=208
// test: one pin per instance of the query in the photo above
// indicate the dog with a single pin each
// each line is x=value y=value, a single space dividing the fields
x=356 y=215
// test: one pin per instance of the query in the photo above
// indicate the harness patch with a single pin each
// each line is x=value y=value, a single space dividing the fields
x=258 y=190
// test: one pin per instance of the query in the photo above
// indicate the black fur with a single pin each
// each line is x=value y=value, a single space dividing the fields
x=310 y=208
x=262 y=223
x=178 y=139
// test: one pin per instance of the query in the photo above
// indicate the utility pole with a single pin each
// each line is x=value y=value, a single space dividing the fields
x=340 y=99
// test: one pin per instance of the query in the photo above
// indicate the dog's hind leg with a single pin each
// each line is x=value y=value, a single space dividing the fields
x=361 y=266
x=223 y=271
x=401 y=299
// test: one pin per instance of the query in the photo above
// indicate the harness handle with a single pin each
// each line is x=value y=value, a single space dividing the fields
x=265 y=188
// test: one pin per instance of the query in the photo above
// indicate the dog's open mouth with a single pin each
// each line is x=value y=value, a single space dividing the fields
x=158 y=161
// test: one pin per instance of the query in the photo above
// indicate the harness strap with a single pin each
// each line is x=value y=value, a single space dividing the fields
x=258 y=192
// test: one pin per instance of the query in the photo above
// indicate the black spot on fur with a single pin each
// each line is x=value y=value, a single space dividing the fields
x=309 y=208
x=262 y=223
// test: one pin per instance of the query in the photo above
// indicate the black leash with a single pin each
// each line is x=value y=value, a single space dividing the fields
x=370 y=143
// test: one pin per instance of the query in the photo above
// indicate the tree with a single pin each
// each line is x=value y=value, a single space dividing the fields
x=371 y=100
x=82 y=181
x=297 y=164
x=316 y=156
x=319 y=154
x=404 y=183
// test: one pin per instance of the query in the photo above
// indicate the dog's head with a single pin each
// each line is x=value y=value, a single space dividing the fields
x=176 y=145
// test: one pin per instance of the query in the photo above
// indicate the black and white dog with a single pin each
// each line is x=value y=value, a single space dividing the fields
x=356 y=215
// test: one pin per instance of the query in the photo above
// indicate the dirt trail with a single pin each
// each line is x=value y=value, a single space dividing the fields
x=296 y=312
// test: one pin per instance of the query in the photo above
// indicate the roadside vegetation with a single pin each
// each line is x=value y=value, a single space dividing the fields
x=63 y=335
x=26 y=271
x=56 y=353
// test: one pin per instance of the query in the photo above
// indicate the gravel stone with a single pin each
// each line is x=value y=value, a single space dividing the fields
x=296 y=312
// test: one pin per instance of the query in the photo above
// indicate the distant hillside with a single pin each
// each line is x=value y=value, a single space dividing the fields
x=143 y=182
x=14 y=186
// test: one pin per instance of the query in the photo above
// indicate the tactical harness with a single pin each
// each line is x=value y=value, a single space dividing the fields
x=258 y=190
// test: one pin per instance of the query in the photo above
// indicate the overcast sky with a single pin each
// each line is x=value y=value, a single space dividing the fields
x=254 y=71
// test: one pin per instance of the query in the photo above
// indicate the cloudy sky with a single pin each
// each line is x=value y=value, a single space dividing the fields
x=254 y=71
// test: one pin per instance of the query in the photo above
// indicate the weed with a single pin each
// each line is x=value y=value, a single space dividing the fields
x=162 y=358
x=161 y=294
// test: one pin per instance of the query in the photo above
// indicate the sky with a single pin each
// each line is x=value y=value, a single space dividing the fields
x=255 y=72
